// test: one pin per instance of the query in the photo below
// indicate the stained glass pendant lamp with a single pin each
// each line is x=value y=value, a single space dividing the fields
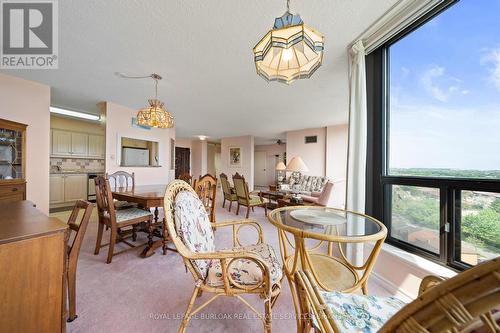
x=155 y=115
x=289 y=51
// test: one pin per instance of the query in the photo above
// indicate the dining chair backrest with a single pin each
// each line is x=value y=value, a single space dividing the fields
x=206 y=188
x=121 y=179
x=226 y=186
x=187 y=178
x=241 y=188
x=104 y=199
x=78 y=228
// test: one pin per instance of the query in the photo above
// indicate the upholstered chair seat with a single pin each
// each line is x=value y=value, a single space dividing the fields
x=359 y=313
x=246 y=272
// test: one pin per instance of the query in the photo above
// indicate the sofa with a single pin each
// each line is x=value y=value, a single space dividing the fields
x=305 y=185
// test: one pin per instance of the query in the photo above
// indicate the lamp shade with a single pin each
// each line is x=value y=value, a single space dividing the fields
x=280 y=166
x=297 y=165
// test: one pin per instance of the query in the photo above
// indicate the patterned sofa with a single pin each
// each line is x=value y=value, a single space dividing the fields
x=306 y=185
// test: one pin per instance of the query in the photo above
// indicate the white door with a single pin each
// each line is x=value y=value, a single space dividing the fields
x=61 y=143
x=79 y=144
x=56 y=189
x=75 y=187
x=260 y=174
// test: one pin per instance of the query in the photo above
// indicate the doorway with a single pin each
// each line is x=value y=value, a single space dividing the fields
x=182 y=161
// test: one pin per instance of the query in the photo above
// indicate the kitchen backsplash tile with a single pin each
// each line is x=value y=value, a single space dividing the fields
x=77 y=164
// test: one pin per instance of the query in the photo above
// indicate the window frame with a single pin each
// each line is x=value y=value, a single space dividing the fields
x=379 y=194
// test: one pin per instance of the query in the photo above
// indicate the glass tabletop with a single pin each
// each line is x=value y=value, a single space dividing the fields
x=328 y=222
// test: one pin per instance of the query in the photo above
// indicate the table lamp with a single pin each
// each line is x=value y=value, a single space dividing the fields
x=297 y=165
x=280 y=167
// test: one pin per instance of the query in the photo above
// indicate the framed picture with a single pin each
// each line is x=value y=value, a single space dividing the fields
x=235 y=157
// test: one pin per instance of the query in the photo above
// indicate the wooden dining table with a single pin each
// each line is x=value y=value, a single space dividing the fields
x=146 y=196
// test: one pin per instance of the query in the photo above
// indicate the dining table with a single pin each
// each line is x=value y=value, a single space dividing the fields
x=146 y=196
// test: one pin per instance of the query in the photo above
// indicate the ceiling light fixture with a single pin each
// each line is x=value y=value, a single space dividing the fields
x=75 y=114
x=289 y=51
x=155 y=115
x=202 y=137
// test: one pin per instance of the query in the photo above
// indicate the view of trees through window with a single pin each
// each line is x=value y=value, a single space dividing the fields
x=443 y=122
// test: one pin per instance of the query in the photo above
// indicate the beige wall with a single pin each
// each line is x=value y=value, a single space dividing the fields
x=28 y=102
x=184 y=143
x=271 y=160
x=198 y=158
x=246 y=143
x=118 y=124
x=86 y=126
x=336 y=162
x=313 y=154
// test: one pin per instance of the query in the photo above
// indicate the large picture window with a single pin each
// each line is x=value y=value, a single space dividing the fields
x=437 y=134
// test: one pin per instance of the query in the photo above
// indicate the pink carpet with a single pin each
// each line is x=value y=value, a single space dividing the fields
x=133 y=294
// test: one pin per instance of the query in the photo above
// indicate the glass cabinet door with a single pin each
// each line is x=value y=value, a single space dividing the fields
x=12 y=138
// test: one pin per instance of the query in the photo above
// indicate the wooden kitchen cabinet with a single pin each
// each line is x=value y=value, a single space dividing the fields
x=67 y=188
x=75 y=187
x=56 y=189
x=96 y=145
x=61 y=143
x=79 y=144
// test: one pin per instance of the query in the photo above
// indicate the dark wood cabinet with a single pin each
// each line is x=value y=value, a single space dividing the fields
x=12 y=161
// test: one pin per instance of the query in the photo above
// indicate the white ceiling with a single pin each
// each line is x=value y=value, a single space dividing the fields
x=203 y=49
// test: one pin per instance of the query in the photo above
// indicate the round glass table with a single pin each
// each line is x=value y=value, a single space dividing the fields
x=330 y=243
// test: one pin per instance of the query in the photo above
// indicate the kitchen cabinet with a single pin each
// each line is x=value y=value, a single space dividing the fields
x=61 y=143
x=67 y=188
x=79 y=144
x=76 y=144
x=56 y=189
x=96 y=145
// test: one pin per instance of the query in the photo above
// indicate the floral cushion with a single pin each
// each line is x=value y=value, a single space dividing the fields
x=193 y=227
x=130 y=214
x=358 y=313
x=246 y=272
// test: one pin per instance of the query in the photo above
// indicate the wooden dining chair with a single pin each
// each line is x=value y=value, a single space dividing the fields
x=73 y=249
x=467 y=302
x=187 y=178
x=123 y=180
x=206 y=188
x=244 y=196
x=117 y=220
x=252 y=269
x=228 y=191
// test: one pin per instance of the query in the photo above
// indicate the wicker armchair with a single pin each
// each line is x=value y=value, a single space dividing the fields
x=241 y=270
x=467 y=302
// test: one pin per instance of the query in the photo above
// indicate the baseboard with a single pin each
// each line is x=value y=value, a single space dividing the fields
x=391 y=288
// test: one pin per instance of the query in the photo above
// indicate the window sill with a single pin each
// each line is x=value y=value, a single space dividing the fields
x=416 y=261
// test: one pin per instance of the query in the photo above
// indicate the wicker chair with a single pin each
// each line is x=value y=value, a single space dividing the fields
x=228 y=191
x=244 y=196
x=464 y=303
x=206 y=188
x=241 y=270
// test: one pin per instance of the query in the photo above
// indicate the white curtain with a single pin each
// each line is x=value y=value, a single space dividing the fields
x=356 y=168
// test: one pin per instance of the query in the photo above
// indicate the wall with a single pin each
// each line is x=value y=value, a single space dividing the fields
x=198 y=158
x=336 y=162
x=271 y=152
x=119 y=123
x=313 y=154
x=28 y=102
x=246 y=143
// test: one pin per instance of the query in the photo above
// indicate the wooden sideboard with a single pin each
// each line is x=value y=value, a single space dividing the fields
x=32 y=270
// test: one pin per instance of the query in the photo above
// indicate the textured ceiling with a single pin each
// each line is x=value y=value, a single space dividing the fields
x=203 y=49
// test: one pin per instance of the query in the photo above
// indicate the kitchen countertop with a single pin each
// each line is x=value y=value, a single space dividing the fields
x=75 y=172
